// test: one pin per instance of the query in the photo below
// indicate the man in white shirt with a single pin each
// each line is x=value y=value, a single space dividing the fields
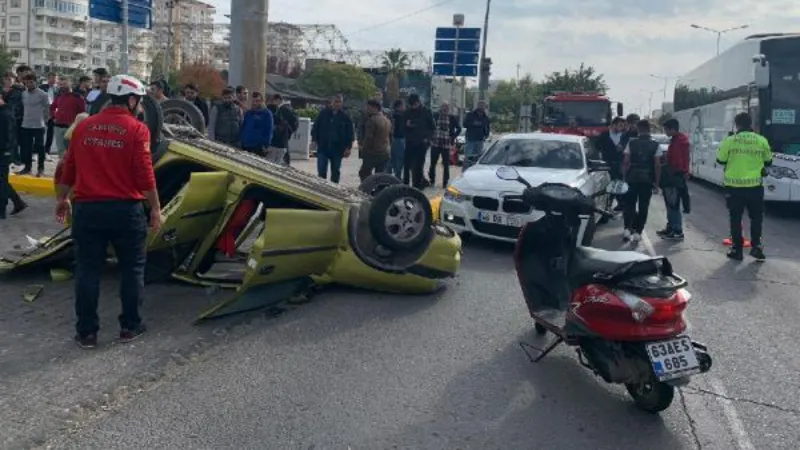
x=101 y=78
x=52 y=90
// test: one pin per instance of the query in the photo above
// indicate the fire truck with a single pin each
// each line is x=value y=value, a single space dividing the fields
x=586 y=113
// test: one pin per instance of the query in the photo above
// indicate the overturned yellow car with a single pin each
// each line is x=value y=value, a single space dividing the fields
x=235 y=220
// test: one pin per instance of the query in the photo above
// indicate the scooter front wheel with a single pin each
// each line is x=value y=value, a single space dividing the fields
x=651 y=396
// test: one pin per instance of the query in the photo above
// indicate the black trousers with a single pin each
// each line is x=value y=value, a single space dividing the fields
x=414 y=164
x=255 y=150
x=95 y=225
x=637 y=205
x=32 y=140
x=444 y=154
x=371 y=165
x=7 y=191
x=739 y=200
x=48 y=141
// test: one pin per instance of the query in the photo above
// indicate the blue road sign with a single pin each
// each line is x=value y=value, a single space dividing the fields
x=446 y=70
x=464 y=59
x=139 y=12
x=473 y=34
x=463 y=46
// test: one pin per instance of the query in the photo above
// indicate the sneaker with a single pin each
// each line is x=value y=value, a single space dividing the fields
x=757 y=252
x=18 y=209
x=687 y=210
x=126 y=335
x=24 y=172
x=86 y=342
x=664 y=232
x=673 y=236
x=735 y=254
x=626 y=236
x=636 y=237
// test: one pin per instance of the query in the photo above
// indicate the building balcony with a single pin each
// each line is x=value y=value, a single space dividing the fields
x=71 y=64
x=62 y=31
x=72 y=17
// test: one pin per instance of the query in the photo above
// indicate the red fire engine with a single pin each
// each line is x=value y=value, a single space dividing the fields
x=581 y=113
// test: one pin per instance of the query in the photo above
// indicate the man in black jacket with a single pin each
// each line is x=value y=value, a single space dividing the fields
x=286 y=124
x=419 y=132
x=52 y=90
x=333 y=135
x=7 y=191
x=478 y=127
x=191 y=93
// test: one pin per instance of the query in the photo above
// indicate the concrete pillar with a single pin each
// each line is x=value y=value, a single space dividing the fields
x=248 y=52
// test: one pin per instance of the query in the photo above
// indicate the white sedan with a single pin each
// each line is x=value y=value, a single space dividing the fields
x=478 y=203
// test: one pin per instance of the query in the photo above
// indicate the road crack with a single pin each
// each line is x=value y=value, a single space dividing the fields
x=692 y=422
x=783 y=409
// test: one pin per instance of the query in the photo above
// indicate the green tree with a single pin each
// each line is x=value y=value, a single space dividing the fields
x=507 y=99
x=7 y=60
x=584 y=78
x=334 y=78
x=394 y=62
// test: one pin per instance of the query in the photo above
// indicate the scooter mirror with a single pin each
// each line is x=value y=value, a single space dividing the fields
x=507 y=173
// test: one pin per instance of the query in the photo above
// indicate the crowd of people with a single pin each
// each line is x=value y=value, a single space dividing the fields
x=398 y=140
x=635 y=158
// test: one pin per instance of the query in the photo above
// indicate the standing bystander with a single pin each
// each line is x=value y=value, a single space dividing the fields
x=7 y=192
x=192 y=94
x=374 y=147
x=674 y=179
x=286 y=125
x=64 y=110
x=447 y=129
x=478 y=127
x=333 y=136
x=398 y=139
x=257 y=127
x=642 y=171
x=225 y=120
x=52 y=89
x=419 y=126
x=36 y=108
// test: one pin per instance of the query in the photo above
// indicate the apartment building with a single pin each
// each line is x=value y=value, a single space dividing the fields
x=190 y=24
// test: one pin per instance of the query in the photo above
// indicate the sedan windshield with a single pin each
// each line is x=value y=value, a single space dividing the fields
x=542 y=153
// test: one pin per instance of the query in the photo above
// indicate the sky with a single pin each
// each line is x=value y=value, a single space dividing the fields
x=628 y=44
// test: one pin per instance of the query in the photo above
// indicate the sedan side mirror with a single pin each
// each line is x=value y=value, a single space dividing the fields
x=598 y=165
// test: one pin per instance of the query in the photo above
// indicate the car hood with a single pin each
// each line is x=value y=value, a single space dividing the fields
x=484 y=178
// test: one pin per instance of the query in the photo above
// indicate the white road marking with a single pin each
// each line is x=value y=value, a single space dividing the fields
x=728 y=409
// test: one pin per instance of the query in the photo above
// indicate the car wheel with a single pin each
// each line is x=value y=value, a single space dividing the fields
x=183 y=112
x=376 y=183
x=400 y=218
x=153 y=116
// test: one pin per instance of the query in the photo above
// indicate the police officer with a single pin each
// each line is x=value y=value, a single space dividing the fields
x=109 y=170
x=745 y=155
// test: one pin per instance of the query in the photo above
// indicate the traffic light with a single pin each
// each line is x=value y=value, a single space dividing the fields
x=486 y=67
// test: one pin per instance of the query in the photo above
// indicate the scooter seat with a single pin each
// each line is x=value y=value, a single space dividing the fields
x=588 y=261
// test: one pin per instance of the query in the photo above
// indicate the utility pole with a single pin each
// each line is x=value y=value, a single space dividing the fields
x=483 y=72
x=125 y=30
x=248 y=50
x=458 y=22
x=168 y=49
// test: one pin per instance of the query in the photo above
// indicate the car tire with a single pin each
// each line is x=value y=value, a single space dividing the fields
x=386 y=217
x=153 y=116
x=183 y=112
x=376 y=183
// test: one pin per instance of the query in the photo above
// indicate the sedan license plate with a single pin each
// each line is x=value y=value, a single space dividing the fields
x=673 y=359
x=499 y=219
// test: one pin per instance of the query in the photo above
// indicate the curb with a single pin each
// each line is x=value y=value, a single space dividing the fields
x=40 y=187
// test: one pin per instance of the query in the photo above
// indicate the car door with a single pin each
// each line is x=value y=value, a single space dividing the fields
x=194 y=212
x=293 y=243
x=597 y=180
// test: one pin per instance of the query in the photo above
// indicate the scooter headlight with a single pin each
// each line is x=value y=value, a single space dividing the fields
x=640 y=309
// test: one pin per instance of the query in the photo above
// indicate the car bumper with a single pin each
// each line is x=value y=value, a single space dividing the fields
x=462 y=217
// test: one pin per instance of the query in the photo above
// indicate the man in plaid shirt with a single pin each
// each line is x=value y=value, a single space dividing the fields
x=447 y=128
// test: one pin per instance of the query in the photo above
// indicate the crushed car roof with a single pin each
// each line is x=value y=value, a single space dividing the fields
x=189 y=136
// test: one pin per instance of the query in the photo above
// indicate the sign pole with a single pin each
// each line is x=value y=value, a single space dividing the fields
x=125 y=29
x=455 y=69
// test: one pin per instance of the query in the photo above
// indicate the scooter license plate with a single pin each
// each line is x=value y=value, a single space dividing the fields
x=674 y=358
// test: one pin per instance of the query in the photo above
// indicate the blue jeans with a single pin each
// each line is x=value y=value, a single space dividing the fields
x=674 y=215
x=472 y=151
x=335 y=162
x=398 y=155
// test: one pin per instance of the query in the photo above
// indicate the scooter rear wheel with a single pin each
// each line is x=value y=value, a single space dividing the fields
x=651 y=396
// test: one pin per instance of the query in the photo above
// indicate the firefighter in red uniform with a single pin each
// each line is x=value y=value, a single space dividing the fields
x=109 y=170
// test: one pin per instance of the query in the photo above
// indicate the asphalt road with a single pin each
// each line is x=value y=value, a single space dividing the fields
x=359 y=370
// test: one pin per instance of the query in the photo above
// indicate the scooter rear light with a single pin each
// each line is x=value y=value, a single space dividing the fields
x=640 y=309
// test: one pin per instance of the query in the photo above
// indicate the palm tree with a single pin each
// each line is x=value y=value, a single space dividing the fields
x=394 y=63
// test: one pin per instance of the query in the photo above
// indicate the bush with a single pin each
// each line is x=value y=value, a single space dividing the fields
x=206 y=77
x=309 y=113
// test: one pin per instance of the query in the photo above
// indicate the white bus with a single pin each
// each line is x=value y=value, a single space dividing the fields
x=760 y=75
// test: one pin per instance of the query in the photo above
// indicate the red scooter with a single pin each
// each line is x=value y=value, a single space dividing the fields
x=621 y=310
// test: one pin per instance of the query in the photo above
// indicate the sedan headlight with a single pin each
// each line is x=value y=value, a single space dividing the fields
x=455 y=195
x=781 y=172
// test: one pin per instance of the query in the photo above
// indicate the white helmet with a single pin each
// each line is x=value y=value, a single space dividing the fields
x=120 y=85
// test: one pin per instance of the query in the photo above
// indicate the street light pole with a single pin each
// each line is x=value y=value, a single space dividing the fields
x=719 y=33
x=125 y=29
x=666 y=82
x=483 y=78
